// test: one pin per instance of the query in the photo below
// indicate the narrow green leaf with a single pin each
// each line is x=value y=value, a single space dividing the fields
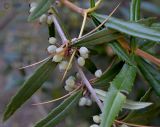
x=113 y=104
x=42 y=8
x=130 y=28
x=133 y=105
x=114 y=99
x=151 y=75
x=122 y=54
x=29 y=87
x=96 y=38
x=144 y=116
x=145 y=97
x=92 y=3
x=109 y=74
x=125 y=79
x=90 y=65
x=135 y=10
x=59 y=113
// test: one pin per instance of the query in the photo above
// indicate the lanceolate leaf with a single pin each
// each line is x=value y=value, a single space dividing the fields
x=130 y=28
x=42 y=8
x=60 y=112
x=122 y=54
x=99 y=37
x=114 y=99
x=113 y=104
x=29 y=87
x=133 y=105
x=151 y=75
x=125 y=79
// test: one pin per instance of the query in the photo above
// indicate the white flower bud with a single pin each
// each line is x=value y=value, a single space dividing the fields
x=49 y=20
x=94 y=125
x=82 y=101
x=63 y=65
x=57 y=58
x=98 y=73
x=85 y=56
x=33 y=4
x=83 y=50
x=67 y=88
x=43 y=18
x=96 y=119
x=60 y=49
x=51 y=49
x=32 y=9
x=70 y=82
x=72 y=77
x=81 y=61
x=52 y=40
x=89 y=102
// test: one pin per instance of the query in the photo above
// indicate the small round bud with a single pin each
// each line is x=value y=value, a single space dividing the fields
x=98 y=73
x=67 y=88
x=94 y=125
x=32 y=9
x=59 y=50
x=57 y=58
x=70 y=82
x=43 y=18
x=51 y=49
x=81 y=61
x=89 y=102
x=96 y=119
x=72 y=77
x=83 y=50
x=49 y=20
x=78 y=76
x=82 y=101
x=63 y=65
x=85 y=56
x=33 y=4
x=52 y=40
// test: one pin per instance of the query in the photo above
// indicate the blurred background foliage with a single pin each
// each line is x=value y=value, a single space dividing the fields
x=23 y=43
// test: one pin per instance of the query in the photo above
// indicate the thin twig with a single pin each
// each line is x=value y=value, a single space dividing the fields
x=31 y=65
x=89 y=87
x=73 y=7
x=103 y=21
x=83 y=25
x=130 y=124
x=139 y=52
x=59 y=29
x=60 y=98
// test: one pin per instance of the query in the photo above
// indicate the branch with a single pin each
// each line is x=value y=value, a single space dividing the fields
x=89 y=87
x=59 y=29
x=139 y=52
x=73 y=7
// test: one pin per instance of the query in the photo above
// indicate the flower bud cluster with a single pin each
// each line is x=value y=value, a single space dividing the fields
x=84 y=101
x=45 y=18
x=84 y=54
x=70 y=84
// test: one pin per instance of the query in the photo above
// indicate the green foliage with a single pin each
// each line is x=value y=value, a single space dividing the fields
x=99 y=37
x=42 y=8
x=115 y=97
x=116 y=83
x=150 y=74
x=130 y=28
x=59 y=113
x=30 y=86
